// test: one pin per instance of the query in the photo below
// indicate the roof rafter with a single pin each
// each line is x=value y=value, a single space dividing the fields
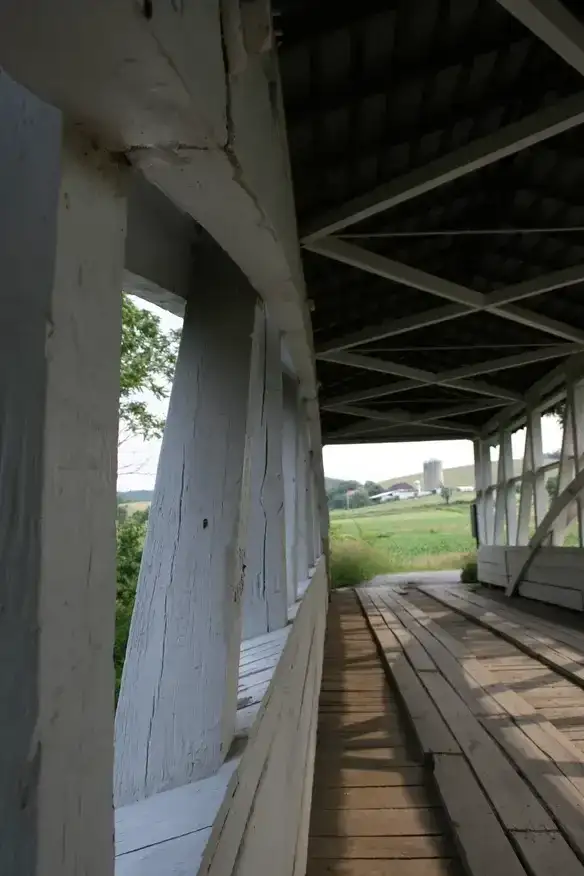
x=456 y=377
x=413 y=377
x=553 y=24
x=513 y=138
x=465 y=300
x=397 y=418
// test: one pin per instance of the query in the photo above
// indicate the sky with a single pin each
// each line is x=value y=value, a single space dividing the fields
x=137 y=459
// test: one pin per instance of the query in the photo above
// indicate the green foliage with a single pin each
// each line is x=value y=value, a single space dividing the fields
x=337 y=493
x=130 y=540
x=148 y=358
x=354 y=561
x=446 y=493
x=551 y=486
x=409 y=536
x=469 y=572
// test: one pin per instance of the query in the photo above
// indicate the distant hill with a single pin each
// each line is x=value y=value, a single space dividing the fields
x=135 y=496
x=460 y=476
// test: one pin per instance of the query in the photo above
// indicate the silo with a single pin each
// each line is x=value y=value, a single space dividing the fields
x=433 y=474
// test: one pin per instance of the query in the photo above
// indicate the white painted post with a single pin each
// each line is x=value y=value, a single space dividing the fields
x=289 y=470
x=265 y=603
x=483 y=477
x=303 y=499
x=62 y=230
x=506 y=450
x=316 y=542
x=178 y=699
x=499 y=526
x=576 y=396
x=566 y=471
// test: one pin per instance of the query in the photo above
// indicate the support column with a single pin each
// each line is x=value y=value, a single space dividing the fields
x=62 y=229
x=178 y=699
x=289 y=471
x=533 y=493
x=265 y=605
x=506 y=502
x=302 y=502
x=483 y=478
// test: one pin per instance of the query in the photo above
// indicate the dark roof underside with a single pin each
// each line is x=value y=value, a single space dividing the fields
x=374 y=90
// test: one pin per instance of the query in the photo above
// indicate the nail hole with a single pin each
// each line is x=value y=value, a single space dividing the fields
x=205 y=523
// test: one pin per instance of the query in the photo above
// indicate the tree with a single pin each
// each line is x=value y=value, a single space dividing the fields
x=372 y=489
x=148 y=359
x=446 y=493
x=130 y=539
x=551 y=486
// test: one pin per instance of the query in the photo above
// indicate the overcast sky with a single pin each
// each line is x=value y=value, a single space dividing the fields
x=375 y=462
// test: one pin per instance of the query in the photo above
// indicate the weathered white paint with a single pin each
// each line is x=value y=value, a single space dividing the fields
x=505 y=527
x=265 y=597
x=303 y=534
x=194 y=104
x=177 y=704
x=484 y=489
x=62 y=228
x=290 y=472
x=555 y=576
x=553 y=23
x=533 y=495
x=264 y=818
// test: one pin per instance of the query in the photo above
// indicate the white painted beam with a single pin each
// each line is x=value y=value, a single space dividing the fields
x=414 y=377
x=303 y=534
x=176 y=711
x=62 y=229
x=539 y=321
x=554 y=24
x=529 y=288
x=265 y=603
x=513 y=138
x=498 y=303
x=392 y=327
x=357 y=257
x=401 y=417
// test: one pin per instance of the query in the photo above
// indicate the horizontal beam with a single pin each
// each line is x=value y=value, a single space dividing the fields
x=391 y=327
x=372 y=263
x=553 y=24
x=513 y=138
x=497 y=303
x=538 y=396
x=402 y=418
x=414 y=378
x=548 y=283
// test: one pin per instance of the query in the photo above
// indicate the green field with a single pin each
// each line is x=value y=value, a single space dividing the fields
x=413 y=535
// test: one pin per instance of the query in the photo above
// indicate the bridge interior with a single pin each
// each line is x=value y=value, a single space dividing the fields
x=371 y=217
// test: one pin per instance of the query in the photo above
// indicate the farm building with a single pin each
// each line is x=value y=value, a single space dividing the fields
x=370 y=216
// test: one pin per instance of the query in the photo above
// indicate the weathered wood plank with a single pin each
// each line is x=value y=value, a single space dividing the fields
x=381 y=847
x=376 y=822
x=484 y=845
x=546 y=854
x=397 y=797
x=419 y=867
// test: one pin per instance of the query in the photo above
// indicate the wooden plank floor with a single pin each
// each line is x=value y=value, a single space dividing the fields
x=554 y=696
x=375 y=810
x=500 y=682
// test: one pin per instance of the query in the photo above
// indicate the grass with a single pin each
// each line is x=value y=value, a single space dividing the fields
x=136 y=506
x=407 y=536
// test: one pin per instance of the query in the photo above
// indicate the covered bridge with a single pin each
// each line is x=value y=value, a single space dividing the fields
x=372 y=218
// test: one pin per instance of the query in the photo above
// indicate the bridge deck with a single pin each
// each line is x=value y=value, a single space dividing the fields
x=471 y=756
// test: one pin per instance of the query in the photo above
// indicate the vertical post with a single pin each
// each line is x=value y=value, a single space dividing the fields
x=499 y=526
x=576 y=396
x=536 y=452
x=62 y=230
x=265 y=598
x=566 y=472
x=178 y=699
x=483 y=477
x=506 y=449
x=302 y=501
x=289 y=471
